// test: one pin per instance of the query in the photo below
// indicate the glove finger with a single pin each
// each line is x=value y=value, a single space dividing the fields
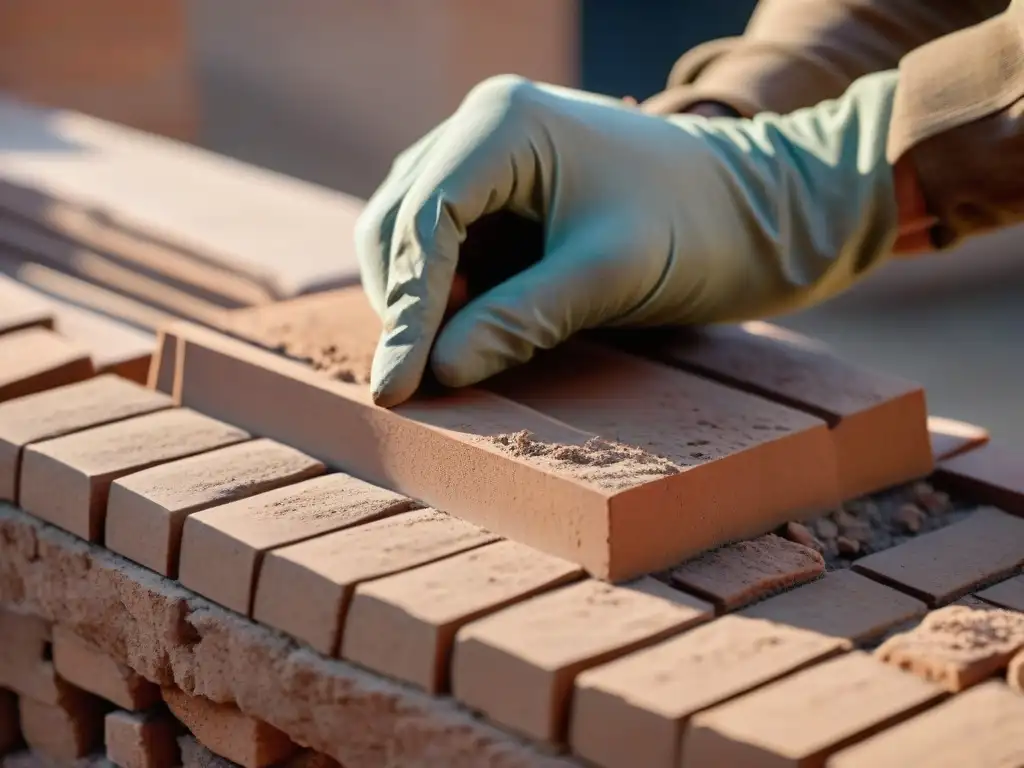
x=585 y=284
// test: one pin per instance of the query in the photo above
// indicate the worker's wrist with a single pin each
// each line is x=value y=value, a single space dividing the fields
x=914 y=220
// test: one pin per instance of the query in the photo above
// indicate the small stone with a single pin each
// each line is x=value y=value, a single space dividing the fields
x=936 y=502
x=826 y=528
x=872 y=512
x=801 y=534
x=852 y=527
x=909 y=517
x=921 y=489
x=847 y=546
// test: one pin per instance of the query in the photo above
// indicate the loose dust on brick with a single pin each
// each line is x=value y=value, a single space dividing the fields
x=604 y=462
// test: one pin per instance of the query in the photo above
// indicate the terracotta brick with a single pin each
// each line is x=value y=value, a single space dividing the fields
x=147 y=510
x=951 y=437
x=518 y=666
x=404 y=625
x=1006 y=594
x=992 y=474
x=942 y=565
x=25 y=658
x=66 y=481
x=326 y=570
x=20 y=308
x=841 y=604
x=142 y=739
x=61 y=411
x=618 y=512
x=879 y=422
x=223 y=548
x=36 y=359
x=68 y=730
x=957 y=646
x=83 y=665
x=984 y=726
x=225 y=731
x=10 y=728
x=632 y=712
x=742 y=573
x=802 y=719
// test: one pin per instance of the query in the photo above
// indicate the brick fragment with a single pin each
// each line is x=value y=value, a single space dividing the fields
x=633 y=711
x=25 y=658
x=326 y=570
x=83 y=665
x=802 y=719
x=841 y=604
x=741 y=573
x=223 y=547
x=61 y=411
x=984 y=726
x=36 y=359
x=404 y=625
x=225 y=731
x=22 y=308
x=10 y=728
x=517 y=666
x=66 y=481
x=992 y=474
x=1006 y=594
x=147 y=510
x=957 y=646
x=620 y=511
x=68 y=730
x=878 y=422
x=945 y=564
x=951 y=437
x=142 y=739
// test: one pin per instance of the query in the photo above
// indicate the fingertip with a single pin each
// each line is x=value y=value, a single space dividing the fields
x=394 y=376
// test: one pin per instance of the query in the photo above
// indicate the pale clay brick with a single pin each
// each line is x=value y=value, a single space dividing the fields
x=83 y=665
x=69 y=730
x=404 y=625
x=35 y=359
x=169 y=635
x=632 y=711
x=801 y=719
x=142 y=739
x=517 y=666
x=147 y=510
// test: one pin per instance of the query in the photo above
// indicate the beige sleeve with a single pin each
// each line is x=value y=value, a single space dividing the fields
x=959 y=112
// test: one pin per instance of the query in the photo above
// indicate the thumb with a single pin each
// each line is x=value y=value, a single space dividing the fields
x=583 y=285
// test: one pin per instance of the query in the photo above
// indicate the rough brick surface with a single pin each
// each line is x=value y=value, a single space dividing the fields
x=223 y=548
x=68 y=730
x=35 y=359
x=1006 y=594
x=983 y=727
x=147 y=510
x=517 y=666
x=879 y=423
x=957 y=646
x=83 y=665
x=326 y=570
x=403 y=626
x=25 y=666
x=142 y=739
x=951 y=437
x=632 y=712
x=619 y=511
x=842 y=604
x=170 y=636
x=10 y=729
x=21 y=308
x=801 y=719
x=993 y=474
x=742 y=573
x=64 y=410
x=66 y=481
x=940 y=566
x=225 y=731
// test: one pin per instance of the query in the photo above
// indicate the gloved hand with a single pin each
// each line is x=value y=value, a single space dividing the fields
x=647 y=221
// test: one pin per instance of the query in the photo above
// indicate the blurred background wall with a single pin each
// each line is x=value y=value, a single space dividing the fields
x=330 y=90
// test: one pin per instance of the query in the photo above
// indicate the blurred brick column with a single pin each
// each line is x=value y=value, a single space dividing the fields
x=122 y=60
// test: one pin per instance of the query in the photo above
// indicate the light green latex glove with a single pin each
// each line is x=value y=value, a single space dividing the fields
x=647 y=220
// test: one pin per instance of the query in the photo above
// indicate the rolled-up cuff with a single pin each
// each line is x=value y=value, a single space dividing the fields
x=959 y=117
